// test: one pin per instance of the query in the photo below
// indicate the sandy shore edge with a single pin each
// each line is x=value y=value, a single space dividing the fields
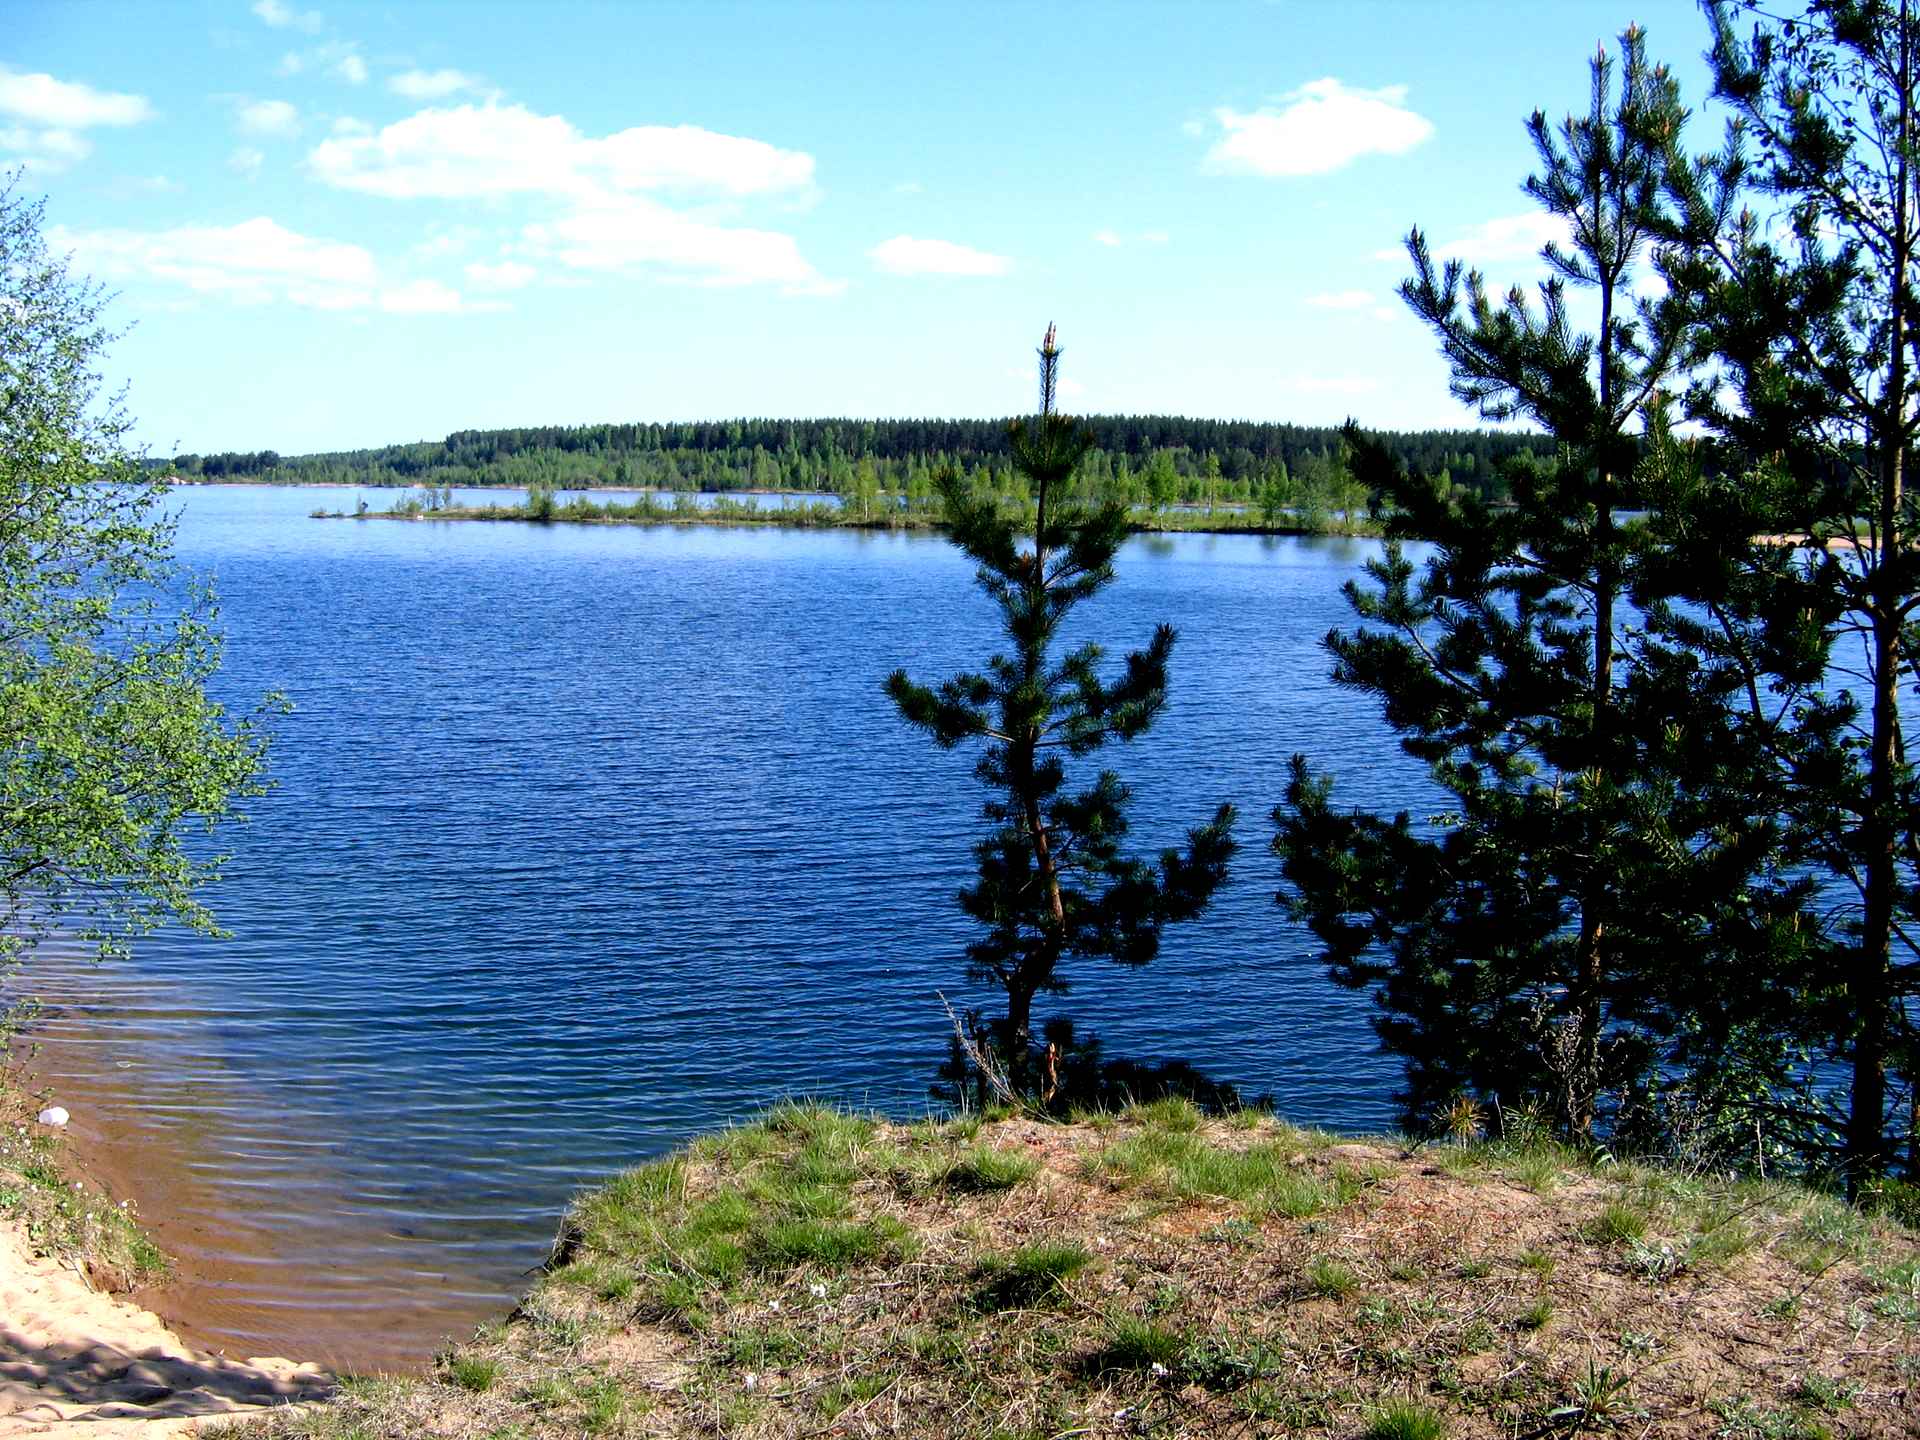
x=75 y=1361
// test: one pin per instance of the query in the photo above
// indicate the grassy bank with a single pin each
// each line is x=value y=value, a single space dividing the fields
x=1161 y=1274
x=58 y=1212
x=816 y=516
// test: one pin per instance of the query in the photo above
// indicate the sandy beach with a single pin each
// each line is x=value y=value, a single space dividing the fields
x=76 y=1361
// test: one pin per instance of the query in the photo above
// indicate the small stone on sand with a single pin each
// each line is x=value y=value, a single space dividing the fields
x=54 y=1115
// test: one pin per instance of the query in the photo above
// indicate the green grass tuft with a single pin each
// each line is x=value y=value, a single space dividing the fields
x=1405 y=1420
x=1030 y=1276
x=472 y=1372
x=1330 y=1279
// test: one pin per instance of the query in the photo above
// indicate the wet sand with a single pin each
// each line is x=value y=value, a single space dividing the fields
x=241 y=1284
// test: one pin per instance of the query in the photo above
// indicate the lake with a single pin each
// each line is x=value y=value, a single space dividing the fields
x=589 y=838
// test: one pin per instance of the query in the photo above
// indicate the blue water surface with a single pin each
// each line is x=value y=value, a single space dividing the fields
x=589 y=838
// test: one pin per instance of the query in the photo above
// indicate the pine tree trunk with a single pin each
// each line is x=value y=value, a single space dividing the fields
x=1870 y=985
x=1585 y=1000
x=1019 y=1034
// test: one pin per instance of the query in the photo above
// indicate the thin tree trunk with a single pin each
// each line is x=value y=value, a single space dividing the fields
x=1870 y=985
x=1588 y=1012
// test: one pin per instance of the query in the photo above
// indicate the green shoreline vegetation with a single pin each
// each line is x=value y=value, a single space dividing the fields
x=870 y=511
x=885 y=511
x=99 y=1237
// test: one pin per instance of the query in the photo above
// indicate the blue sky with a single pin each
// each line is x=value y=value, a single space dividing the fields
x=332 y=225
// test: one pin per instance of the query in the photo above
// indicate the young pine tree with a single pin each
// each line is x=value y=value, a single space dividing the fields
x=1804 y=293
x=1593 y=849
x=1052 y=883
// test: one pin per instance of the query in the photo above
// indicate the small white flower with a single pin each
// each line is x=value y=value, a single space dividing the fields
x=752 y=1382
x=817 y=1290
x=774 y=1305
x=1160 y=1371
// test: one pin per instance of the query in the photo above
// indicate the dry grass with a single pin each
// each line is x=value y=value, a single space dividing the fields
x=821 y=1274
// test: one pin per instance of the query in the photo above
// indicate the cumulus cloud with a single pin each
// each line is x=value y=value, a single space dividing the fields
x=39 y=99
x=246 y=161
x=46 y=151
x=906 y=255
x=1154 y=237
x=267 y=117
x=282 y=16
x=607 y=184
x=472 y=151
x=255 y=261
x=632 y=231
x=507 y=275
x=259 y=262
x=1317 y=129
x=349 y=68
x=1505 y=239
x=1105 y=237
x=45 y=113
x=432 y=84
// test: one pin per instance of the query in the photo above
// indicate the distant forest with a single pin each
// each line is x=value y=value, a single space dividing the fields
x=1139 y=459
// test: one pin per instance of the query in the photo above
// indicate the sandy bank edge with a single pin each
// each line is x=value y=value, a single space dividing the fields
x=76 y=1361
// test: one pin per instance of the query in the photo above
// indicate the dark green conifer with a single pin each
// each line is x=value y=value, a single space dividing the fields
x=1053 y=883
x=1803 y=289
x=1535 y=940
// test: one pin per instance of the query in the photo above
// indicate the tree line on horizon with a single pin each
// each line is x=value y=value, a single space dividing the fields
x=1151 y=461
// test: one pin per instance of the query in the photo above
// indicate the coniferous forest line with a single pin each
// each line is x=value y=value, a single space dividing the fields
x=1137 y=460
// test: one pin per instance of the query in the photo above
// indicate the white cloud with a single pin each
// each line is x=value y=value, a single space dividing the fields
x=507 y=275
x=351 y=69
x=267 y=117
x=489 y=150
x=624 y=232
x=432 y=84
x=347 y=125
x=45 y=151
x=905 y=255
x=1316 y=129
x=246 y=161
x=260 y=262
x=492 y=151
x=908 y=187
x=1154 y=237
x=255 y=261
x=1508 y=238
x=1105 y=237
x=282 y=16
x=39 y=99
